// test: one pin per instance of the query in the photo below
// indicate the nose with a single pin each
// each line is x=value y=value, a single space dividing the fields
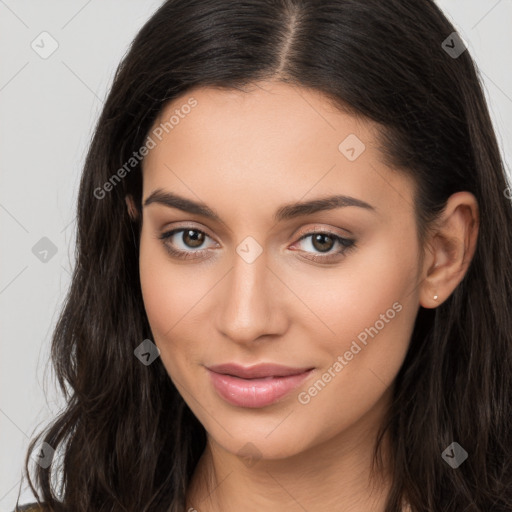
x=250 y=302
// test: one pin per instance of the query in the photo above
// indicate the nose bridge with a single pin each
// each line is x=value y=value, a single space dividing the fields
x=248 y=305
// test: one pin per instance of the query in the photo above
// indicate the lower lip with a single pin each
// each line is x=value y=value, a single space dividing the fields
x=255 y=392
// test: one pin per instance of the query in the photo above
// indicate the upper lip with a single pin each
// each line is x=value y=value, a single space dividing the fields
x=256 y=371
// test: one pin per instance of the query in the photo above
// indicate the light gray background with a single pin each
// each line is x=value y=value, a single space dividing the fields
x=48 y=108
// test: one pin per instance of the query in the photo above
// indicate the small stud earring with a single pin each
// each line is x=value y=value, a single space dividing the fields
x=435 y=297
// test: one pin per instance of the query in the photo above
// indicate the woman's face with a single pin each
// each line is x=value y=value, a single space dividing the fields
x=266 y=280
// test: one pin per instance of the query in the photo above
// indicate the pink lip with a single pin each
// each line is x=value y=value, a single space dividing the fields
x=256 y=371
x=269 y=384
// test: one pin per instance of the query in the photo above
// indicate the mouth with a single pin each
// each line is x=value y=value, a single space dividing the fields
x=258 y=371
x=256 y=386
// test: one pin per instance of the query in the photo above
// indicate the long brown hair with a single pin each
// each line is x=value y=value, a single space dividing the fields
x=127 y=440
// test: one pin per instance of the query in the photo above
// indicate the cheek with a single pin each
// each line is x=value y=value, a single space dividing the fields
x=370 y=307
x=381 y=271
x=167 y=289
x=173 y=296
x=158 y=289
x=361 y=360
x=166 y=296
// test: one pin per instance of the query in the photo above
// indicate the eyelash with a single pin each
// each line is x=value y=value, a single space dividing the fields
x=347 y=244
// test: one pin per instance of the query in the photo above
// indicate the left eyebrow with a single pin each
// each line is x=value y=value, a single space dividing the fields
x=285 y=212
x=316 y=205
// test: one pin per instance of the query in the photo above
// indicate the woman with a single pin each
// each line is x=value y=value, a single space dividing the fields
x=293 y=278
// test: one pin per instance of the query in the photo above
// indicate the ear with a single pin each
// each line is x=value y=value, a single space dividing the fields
x=130 y=204
x=449 y=249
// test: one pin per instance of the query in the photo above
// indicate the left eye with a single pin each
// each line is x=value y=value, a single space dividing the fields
x=192 y=238
x=324 y=242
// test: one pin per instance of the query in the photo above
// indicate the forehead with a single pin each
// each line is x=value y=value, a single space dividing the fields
x=278 y=115
x=276 y=140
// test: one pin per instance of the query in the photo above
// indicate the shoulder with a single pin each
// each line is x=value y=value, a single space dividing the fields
x=31 y=507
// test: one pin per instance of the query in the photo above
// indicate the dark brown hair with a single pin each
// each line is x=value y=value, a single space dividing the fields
x=127 y=440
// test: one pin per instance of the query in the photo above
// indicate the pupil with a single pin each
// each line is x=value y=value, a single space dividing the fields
x=197 y=239
x=321 y=239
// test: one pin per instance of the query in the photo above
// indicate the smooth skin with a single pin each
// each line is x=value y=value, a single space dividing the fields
x=245 y=154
